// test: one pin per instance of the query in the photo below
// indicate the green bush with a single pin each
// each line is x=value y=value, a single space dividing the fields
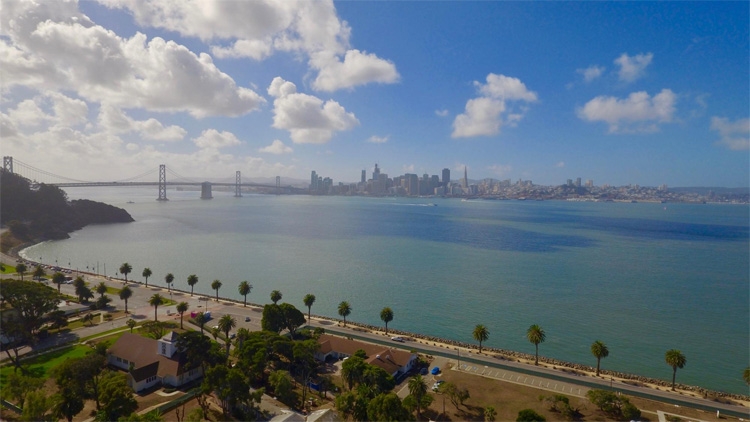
x=528 y=415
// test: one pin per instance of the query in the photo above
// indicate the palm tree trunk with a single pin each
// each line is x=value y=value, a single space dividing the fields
x=126 y=306
x=244 y=305
x=674 y=375
x=597 y=366
x=155 y=307
x=536 y=357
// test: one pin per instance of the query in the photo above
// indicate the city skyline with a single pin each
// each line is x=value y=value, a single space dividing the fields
x=620 y=93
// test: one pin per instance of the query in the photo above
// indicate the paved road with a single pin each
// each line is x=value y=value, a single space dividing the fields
x=505 y=370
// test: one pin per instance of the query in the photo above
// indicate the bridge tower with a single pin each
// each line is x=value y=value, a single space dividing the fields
x=238 y=185
x=278 y=185
x=206 y=190
x=8 y=164
x=162 y=183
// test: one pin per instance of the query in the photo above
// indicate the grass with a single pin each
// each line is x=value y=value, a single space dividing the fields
x=40 y=366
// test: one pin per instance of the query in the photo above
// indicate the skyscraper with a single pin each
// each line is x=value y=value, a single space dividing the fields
x=364 y=176
x=466 y=178
x=376 y=173
x=446 y=177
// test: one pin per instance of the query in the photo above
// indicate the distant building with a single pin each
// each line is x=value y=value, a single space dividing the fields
x=376 y=172
x=151 y=362
x=466 y=178
x=364 y=176
x=396 y=362
x=446 y=177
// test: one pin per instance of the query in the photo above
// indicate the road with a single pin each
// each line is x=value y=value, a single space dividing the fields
x=465 y=359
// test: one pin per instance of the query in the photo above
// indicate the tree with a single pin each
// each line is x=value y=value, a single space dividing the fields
x=275 y=296
x=31 y=302
x=528 y=415
x=675 y=359
x=16 y=387
x=66 y=404
x=418 y=390
x=198 y=350
x=614 y=405
x=345 y=310
x=125 y=294
x=746 y=375
x=352 y=370
x=169 y=278
x=155 y=301
x=308 y=300
x=125 y=269
x=216 y=285
x=192 y=280
x=386 y=315
x=88 y=319
x=281 y=382
x=387 y=407
x=535 y=335
x=245 y=289
x=58 y=278
x=37 y=406
x=101 y=288
x=146 y=274
x=490 y=413
x=182 y=307
x=599 y=350
x=292 y=317
x=38 y=272
x=131 y=323
x=57 y=319
x=481 y=334
x=226 y=323
x=201 y=319
x=21 y=269
x=456 y=394
x=116 y=397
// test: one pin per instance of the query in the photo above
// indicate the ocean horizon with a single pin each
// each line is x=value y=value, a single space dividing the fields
x=641 y=277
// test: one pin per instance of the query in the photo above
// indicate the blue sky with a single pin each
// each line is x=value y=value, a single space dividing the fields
x=634 y=92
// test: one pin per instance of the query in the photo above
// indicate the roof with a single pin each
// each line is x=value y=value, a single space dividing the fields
x=323 y=415
x=142 y=352
x=288 y=416
x=170 y=337
x=389 y=359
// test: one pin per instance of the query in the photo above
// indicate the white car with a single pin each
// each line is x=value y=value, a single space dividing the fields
x=398 y=339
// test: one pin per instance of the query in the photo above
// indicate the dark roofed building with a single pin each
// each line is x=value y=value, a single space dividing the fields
x=150 y=362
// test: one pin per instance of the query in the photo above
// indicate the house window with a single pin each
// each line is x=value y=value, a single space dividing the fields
x=149 y=380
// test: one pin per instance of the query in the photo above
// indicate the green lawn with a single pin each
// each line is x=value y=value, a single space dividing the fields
x=40 y=366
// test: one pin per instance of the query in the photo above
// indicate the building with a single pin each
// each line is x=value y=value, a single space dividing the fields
x=394 y=361
x=446 y=177
x=151 y=362
x=466 y=178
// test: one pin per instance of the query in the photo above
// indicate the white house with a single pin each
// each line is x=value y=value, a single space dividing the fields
x=150 y=362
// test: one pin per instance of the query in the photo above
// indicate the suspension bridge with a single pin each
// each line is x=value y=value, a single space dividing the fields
x=39 y=176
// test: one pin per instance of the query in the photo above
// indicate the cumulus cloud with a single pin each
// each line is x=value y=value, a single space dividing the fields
x=441 y=113
x=277 y=147
x=483 y=115
x=734 y=135
x=49 y=108
x=308 y=119
x=560 y=164
x=213 y=139
x=591 y=72
x=407 y=168
x=53 y=46
x=258 y=29
x=114 y=120
x=377 y=139
x=639 y=112
x=632 y=68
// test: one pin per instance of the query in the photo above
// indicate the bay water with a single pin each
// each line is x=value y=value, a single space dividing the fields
x=641 y=277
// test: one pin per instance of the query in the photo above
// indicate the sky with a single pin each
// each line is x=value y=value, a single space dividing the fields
x=621 y=93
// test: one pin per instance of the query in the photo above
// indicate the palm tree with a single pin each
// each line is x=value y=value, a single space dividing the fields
x=308 y=300
x=536 y=335
x=226 y=323
x=275 y=296
x=216 y=285
x=146 y=274
x=21 y=269
x=182 y=307
x=131 y=323
x=245 y=289
x=155 y=301
x=201 y=320
x=192 y=281
x=417 y=389
x=386 y=315
x=58 y=278
x=480 y=334
x=125 y=269
x=599 y=350
x=489 y=413
x=101 y=288
x=746 y=375
x=38 y=272
x=344 y=310
x=125 y=294
x=169 y=278
x=675 y=359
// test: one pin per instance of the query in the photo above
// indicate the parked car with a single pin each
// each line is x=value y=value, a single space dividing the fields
x=247 y=319
x=398 y=339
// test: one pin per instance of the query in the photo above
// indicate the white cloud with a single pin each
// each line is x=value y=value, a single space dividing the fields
x=632 y=68
x=560 y=164
x=53 y=46
x=639 y=112
x=591 y=72
x=483 y=115
x=213 y=139
x=258 y=29
x=734 y=135
x=377 y=139
x=28 y=113
x=407 y=168
x=308 y=119
x=500 y=170
x=441 y=113
x=277 y=147
x=114 y=120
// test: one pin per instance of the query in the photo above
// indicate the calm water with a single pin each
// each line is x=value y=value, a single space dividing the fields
x=643 y=278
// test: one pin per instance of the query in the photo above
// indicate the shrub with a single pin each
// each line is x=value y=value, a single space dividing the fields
x=528 y=415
